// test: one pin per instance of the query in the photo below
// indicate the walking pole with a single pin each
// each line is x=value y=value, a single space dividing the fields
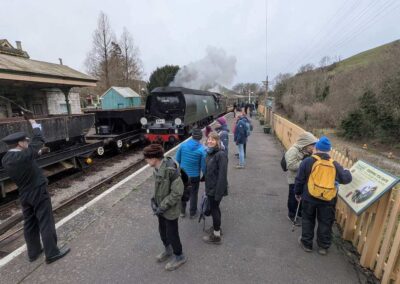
x=295 y=217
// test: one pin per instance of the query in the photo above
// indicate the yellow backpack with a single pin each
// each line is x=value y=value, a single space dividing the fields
x=321 y=183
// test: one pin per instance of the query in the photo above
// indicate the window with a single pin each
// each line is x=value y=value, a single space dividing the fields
x=63 y=108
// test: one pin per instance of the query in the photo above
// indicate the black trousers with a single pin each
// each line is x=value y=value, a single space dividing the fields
x=39 y=221
x=193 y=199
x=325 y=214
x=169 y=234
x=292 y=203
x=215 y=213
x=244 y=148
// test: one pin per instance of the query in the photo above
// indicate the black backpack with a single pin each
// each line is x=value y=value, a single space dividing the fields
x=283 y=163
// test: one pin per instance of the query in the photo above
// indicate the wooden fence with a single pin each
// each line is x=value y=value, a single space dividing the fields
x=376 y=232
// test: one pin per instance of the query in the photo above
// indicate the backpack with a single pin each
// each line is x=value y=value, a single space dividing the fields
x=283 y=163
x=321 y=183
x=187 y=185
x=205 y=209
x=249 y=128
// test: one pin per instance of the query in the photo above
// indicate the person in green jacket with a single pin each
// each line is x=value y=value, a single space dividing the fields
x=166 y=203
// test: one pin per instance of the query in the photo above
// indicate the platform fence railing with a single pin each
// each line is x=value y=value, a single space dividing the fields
x=375 y=234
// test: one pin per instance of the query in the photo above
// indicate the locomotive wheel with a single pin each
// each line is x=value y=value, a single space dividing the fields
x=100 y=151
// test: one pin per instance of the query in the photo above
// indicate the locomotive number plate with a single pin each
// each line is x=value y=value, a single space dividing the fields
x=160 y=121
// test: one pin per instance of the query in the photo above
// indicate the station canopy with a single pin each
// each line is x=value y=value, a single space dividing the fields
x=16 y=68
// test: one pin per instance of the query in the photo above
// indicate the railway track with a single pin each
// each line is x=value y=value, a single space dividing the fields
x=12 y=235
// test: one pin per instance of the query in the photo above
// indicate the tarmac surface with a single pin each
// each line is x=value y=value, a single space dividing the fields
x=116 y=240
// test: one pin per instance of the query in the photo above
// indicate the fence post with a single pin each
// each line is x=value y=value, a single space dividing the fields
x=372 y=244
x=393 y=219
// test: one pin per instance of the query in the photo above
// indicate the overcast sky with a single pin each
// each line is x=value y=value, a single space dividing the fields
x=179 y=31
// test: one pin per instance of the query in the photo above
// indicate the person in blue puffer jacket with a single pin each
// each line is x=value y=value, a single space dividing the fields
x=191 y=157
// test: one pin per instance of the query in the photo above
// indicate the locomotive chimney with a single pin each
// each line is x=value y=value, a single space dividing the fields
x=19 y=45
x=61 y=63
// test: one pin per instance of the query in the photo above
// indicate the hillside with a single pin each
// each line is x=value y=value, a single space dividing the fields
x=358 y=97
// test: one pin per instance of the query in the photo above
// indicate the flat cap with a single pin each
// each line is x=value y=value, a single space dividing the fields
x=15 y=138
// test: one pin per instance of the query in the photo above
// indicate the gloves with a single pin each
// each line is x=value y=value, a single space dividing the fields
x=159 y=211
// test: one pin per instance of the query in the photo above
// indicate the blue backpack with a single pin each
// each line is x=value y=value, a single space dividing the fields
x=249 y=128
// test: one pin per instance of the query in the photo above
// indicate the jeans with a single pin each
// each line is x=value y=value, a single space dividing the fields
x=292 y=203
x=241 y=155
x=195 y=182
x=325 y=214
x=169 y=234
x=215 y=213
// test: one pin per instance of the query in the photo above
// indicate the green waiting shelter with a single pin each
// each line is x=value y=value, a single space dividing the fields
x=120 y=97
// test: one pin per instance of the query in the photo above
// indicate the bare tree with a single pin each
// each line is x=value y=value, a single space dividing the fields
x=132 y=65
x=98 y=59
x=325 y=61
x=306 y=68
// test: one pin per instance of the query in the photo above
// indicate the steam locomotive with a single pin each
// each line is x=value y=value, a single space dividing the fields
x=171 y=112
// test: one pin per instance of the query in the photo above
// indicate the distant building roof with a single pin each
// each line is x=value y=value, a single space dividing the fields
x=18 y=67
x=7 y=48
x=126 y=92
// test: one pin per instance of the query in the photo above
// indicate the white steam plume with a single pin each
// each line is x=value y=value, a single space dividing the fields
x=216 y=68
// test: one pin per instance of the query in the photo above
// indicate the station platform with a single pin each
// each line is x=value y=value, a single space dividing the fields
x=116 y=239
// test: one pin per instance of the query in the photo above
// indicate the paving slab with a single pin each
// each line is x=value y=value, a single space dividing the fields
x=116 y=240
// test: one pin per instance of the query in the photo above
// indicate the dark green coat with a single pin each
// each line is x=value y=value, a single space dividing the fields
x=167 y=193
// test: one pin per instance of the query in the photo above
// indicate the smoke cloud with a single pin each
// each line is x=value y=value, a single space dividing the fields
x=215 y=69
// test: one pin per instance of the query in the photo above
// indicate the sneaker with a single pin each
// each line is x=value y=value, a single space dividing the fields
x=183 y=215
x=211 y=230
x=212 y=239
x=176 y=262
x=298 y=223
x=322 y=251
x=193 y=216
x=239 y=167
x=165 y=254
x=306 y=249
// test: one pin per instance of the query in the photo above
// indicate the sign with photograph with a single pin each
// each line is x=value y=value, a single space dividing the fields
x=368 y=185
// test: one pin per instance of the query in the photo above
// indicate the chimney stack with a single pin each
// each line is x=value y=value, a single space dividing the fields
x=61 y=63
x=19 y=45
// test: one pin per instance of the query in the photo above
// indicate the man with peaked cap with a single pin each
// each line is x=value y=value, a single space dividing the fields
x=21 y=166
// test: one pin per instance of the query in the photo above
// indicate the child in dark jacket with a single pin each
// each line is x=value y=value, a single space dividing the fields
x=316 y=208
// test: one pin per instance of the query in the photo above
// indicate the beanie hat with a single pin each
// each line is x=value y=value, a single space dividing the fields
x=197 y=134
x=323 y=144
x=221 y=120
x=153 y=151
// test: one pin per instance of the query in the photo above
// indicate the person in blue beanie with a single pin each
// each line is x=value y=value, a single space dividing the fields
x=191 y=157
x=316 y=186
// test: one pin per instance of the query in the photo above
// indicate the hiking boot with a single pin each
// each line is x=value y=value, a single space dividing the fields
x=212 y=239
x=306 y=249
x=298 y=223
x=322 y=251
x=211 y=231
x=165 y=254
x=176 y=262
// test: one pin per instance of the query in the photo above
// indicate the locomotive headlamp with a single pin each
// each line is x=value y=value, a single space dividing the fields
x=178 y=121
x=143 y=121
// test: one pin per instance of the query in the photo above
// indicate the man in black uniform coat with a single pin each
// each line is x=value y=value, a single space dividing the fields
x=20 y=164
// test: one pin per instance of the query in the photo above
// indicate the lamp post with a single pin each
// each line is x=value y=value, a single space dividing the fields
x=250 y=94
